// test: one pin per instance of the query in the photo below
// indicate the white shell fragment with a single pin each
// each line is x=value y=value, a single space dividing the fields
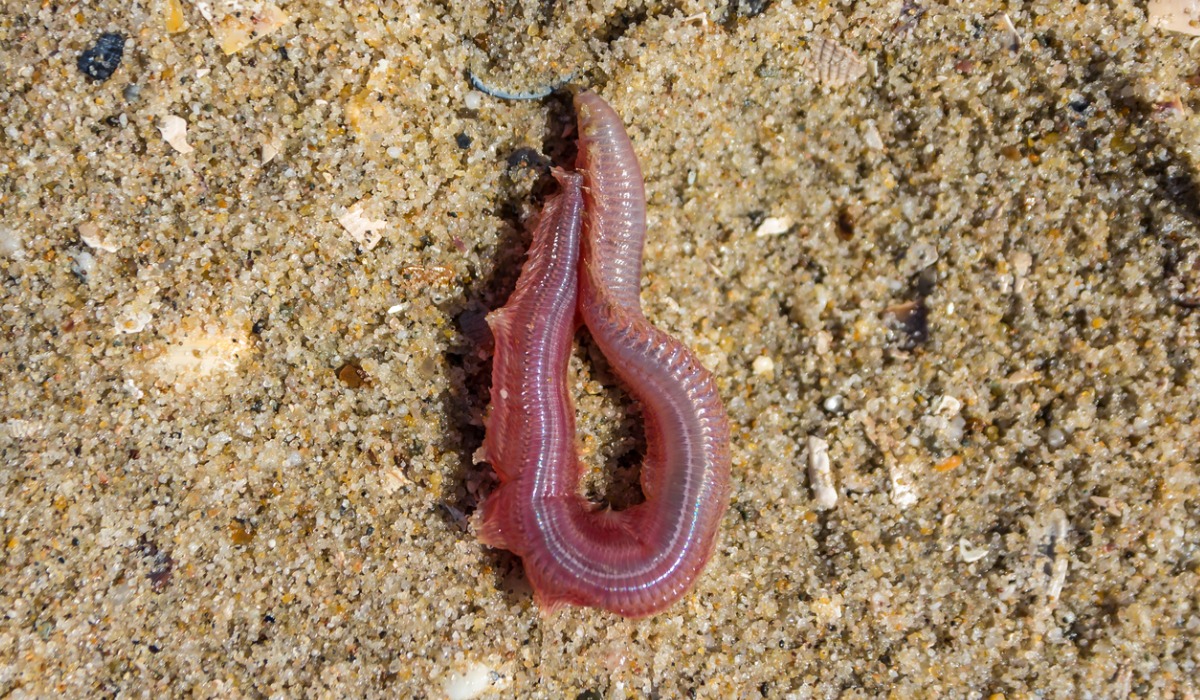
x=133 y=321
x=20 y=429
x=270 y=149
x=820 y=475
x=238 y=23
x=90 y=234
x=871 y=136
x=1010 y=32
x=11 y=245
x=773 y=226
x=1181 y=16
x=202 y=353
x=394 y=479
x=174 y=132
x=970 y=553
x=364 y=231
x=1021 y=263
x=834 y=65
x=474 y=681
x=903 y=485
x=83 y=263
x=1054 y=542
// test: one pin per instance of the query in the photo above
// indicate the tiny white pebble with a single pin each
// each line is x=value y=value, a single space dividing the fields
x=473 y=100
x=764 y=366
x=833 y=404
x=394 y=152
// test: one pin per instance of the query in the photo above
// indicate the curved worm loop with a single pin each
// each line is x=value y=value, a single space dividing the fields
x=638 y=561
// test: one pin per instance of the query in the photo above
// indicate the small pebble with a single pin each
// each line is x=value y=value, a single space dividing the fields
x=764 y=366
x=473 y=100
x=352 y=375
x=833 y=404
x=101 y=60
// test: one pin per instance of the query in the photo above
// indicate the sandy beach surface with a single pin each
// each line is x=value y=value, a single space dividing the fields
x=943 y=258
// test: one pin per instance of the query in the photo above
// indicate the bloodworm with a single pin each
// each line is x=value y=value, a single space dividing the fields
x=638 y=561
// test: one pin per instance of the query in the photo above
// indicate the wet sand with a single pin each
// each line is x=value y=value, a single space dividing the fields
x=246 y=367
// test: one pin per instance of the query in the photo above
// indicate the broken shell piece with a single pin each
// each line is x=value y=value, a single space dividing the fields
x=835 y=65
x=89 y=233
x=175 y=21
x=773 y=226
x=174 y=132
x=820 y=475
x=202 y=353
x=1010 y=31
x=970 y=553
x=238 y=30
x=364 y=231
x=1168 y=108
x=270 y=149
x=134 y=322
x=1181 y=16
x=871 y=136
x=394 y=479
x=11 y=245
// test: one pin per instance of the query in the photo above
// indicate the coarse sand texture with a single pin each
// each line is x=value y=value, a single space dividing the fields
x=941 y=259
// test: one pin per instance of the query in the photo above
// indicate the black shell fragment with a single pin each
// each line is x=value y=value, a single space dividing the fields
x=101 y=61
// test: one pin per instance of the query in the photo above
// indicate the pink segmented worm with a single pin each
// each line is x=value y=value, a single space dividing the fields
x=638 y=561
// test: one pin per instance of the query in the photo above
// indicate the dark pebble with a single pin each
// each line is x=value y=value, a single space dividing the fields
x=749 y=8
x=463 y=141
x=911 y=320
x=101 y=61
x=526 y=157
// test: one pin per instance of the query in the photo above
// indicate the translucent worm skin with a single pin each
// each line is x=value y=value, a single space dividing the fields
x=638 y=561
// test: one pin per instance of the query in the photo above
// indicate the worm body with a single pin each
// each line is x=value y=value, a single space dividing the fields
x=638 y=561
